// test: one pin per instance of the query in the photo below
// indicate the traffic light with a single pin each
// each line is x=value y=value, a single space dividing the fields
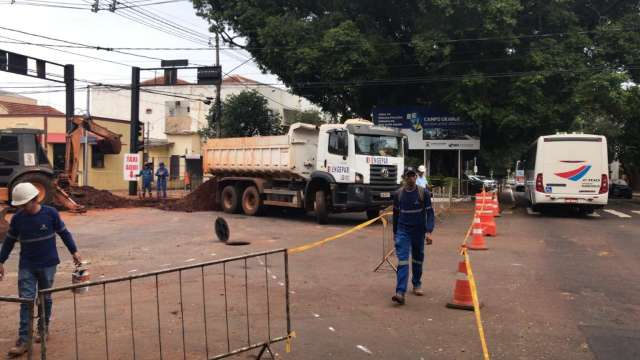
x=140 y=137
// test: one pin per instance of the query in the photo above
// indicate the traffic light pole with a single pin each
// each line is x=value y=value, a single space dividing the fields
x=135 y=121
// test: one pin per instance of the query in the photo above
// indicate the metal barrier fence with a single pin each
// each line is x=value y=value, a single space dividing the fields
x=30 y=303
x=138 y=325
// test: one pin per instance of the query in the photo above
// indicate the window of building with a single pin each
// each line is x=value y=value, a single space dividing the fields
x=9 y=152
x=59 y=151
x=149 y=111
x=97 y=158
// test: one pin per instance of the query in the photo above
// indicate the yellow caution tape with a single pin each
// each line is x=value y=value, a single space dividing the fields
x=287 y=345
x=312 y=245
x=474 y=290
x=476 y=304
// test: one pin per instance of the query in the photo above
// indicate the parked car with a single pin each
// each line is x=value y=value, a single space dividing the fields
x=620 y=189
x=476 y=183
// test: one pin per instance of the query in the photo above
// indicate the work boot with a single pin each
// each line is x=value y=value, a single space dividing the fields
x=398 y=299
x=417 y=291
x=18 y=350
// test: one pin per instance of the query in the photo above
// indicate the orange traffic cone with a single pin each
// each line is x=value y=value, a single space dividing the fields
x=462 y=298
x=488 y=224
x=496 y=207
x=478 y=242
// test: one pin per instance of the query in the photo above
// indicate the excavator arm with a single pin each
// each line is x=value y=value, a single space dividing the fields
x=108 y=143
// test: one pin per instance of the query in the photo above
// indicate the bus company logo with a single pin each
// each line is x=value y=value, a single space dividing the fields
x=575 y=174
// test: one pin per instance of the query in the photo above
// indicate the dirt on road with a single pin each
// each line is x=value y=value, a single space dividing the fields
x=202 y=198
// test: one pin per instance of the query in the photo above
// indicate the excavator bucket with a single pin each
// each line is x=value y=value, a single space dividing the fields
x=61 y=198
x=110 y=145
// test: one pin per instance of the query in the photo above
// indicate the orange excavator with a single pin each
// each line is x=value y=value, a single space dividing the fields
x=23 y=159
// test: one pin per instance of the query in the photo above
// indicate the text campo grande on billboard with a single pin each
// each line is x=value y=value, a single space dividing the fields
x=426 y=128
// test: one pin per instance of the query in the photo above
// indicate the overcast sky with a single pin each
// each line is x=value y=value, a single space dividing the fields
x=108 y=29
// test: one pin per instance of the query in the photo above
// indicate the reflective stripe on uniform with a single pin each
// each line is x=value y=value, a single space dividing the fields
x=411 y=211
x=403 y=262
x=24 y=241
x=416 y=261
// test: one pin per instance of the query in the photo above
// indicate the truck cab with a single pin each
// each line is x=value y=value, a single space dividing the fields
x=362 y=162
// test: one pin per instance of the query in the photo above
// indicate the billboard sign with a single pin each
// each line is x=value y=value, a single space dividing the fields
x=429 y=129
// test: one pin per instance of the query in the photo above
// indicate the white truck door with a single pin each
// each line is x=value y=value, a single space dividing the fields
x=333 y=155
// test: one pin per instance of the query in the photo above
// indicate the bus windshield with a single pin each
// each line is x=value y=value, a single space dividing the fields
x=376 y=145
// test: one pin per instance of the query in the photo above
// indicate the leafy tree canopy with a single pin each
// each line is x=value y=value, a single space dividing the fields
x=519 y=68
x=244 y=114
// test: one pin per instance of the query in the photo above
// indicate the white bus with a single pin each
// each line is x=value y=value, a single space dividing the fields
x=568 y=170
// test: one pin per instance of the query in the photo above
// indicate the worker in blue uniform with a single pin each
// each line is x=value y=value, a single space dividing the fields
x=413 y=223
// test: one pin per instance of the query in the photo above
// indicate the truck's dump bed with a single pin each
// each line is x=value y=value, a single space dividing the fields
x=284 y=156
x=251 y=155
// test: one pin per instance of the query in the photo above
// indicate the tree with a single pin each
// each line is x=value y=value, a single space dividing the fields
x=312 y=117
x=244 y=114
x=517 y=68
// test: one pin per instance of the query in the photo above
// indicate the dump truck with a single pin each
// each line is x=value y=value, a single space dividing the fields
x=331 y=168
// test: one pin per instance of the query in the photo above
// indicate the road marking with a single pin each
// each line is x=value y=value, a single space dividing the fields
x=132 y=271
x=513 y=198
x=316 y=315
x=594 y=214
x=531 y=212
x=635 y=212
x=364 y=348
x=163 y=265
x=213 y=254
x=332 y=329
x=617 y=213
x=274 y=277
x=281 y=283
x=190 y=260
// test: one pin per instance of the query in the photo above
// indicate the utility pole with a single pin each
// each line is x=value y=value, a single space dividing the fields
x=135 y=121
x=85 y=155
x=218 y=89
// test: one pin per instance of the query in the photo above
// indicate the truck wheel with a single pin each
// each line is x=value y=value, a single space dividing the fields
x=230 y=201
x=373 y=213
x=43 y=183
x=251 y=202
x=321 y=208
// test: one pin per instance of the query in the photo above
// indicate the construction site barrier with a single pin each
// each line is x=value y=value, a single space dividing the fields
x=236 y=275
x=31 y=304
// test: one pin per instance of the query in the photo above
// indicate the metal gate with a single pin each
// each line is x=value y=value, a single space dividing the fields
x=224 y=307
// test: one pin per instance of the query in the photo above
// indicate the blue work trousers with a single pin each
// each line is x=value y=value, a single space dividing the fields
x=162 y=186
x=29 y=282
x=409 y=243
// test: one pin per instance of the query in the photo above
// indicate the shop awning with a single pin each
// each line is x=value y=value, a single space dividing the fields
x=57 y=138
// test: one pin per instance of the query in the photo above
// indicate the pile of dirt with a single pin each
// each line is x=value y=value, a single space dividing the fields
x=203 y=198
x=92 y=198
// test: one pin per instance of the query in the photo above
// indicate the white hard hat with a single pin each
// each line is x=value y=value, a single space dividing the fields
x=23 y=193
x=421 y=168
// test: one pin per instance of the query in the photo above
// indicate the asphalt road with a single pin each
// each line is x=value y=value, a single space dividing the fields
x=553 y=286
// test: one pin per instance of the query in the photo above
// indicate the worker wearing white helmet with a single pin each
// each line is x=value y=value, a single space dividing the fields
x=35 y=227
x=422 y=180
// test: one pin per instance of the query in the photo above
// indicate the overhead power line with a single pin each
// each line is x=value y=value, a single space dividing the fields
x=95 y=47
